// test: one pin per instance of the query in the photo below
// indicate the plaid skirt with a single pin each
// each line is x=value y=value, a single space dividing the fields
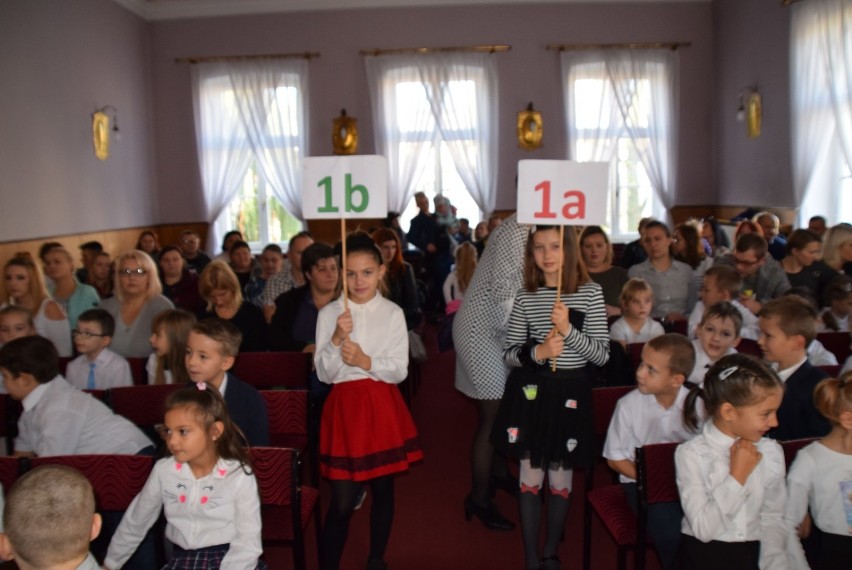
x=209 y=558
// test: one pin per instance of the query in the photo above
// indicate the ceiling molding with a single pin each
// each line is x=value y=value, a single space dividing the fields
x=185 y=9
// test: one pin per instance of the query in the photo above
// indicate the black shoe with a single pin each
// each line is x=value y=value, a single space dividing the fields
x=489 y=515
x=377 y=564
x=550 y=563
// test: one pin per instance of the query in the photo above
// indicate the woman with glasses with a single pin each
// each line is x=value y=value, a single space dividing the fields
x=138 y=299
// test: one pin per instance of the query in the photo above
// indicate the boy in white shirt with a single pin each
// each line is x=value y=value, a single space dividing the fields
x=97 y=367
x=635 y=324
x=653 y=413
x=49 y=520
x=718 y=335
x=723 y=283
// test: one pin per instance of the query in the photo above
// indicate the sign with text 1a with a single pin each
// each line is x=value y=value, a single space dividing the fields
x=562 y=192
x=345 y=187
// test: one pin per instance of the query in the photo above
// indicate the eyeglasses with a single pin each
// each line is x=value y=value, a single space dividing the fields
x=85 y=334
x=745 y=262
x=129 y=272
x=188 y=241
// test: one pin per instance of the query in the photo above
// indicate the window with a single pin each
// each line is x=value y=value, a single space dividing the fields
x=619 y=109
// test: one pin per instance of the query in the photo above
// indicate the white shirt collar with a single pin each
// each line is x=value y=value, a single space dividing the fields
x=715 y=436
x=785 y=374
x=30 y=400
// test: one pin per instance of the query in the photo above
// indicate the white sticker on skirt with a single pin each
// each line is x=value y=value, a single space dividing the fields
x=513 y=434
x=530 y=391
x=572 y=443
x=571 y=404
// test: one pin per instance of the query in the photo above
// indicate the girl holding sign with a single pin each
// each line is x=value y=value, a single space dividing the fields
x=545 y=417
x=367 y=434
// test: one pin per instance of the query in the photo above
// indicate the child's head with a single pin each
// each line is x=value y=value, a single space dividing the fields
x=365 y=269
x=838 y=296
x=833 y=399
x=169 y=334
x=15 y=322
x=466 y=259
x=787 y=326
x=198 y=427
x=667 y=361
x=721 y=283
x=49 y=518
x=211 y=348
x=741 y=395
x=719 y=329
x=27 y=362
x=94 y=331
x=637 y=299
x=542 y=259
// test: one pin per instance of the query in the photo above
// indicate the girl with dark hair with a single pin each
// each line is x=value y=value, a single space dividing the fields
x=401 y=284
x=169 y=333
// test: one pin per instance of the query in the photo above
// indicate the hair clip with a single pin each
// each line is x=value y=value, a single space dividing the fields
x=201 y=385
x=724 y=374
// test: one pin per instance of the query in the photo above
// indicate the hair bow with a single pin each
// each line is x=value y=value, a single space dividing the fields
x=201 y=385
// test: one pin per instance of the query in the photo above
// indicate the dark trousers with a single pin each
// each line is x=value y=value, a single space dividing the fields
x=664 y=520
x=713 y=555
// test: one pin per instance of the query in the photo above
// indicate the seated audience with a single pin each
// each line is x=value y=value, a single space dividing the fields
x=137 y=301
x=715 y=237
x=73 y=296
x=818 y=226
x=671 y=280
x=391 y=221
x=49 y=519
x=634 y=252
x=271 y=262
x=24 y=287
x=290 y=275
x=597 y=253
x=169 y=333
x=802 y=263
x=771 y=231
x=228 y=241
x=180 y=285
x=718 y=335
x=88 y=252
x=723 y=283
x=149 y=243
x=220 y=288
x=688 y=248
x=196 y=258
x=837 y=248
x=242 y=262
x=97 y=367
x=15 y=322
x=763 y=277
x=838 y=298
x=402 y=286
x=101 y=276
x=636 y=324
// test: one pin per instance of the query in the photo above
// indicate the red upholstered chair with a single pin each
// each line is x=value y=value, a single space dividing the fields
x=288 y=424
x=748 y=346
x=656 y=483
x=837 y=343
x=143 y=405
x=137 y=370
x=286 y=505
x=635 y=352
x=792 y=447
x=271 y=369
x=832 y=371
x=10 y=468
x=97 y=394
x=63 y=363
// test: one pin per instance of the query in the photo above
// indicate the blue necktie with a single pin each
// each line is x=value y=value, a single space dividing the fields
x=90 y=385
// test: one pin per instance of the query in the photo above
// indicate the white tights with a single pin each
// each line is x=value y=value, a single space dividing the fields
x=560 y=479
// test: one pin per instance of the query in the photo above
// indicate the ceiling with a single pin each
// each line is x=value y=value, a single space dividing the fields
x=177 y=9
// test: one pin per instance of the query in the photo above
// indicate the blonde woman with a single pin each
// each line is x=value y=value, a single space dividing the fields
x=138 y=299
x=220 y=288
x=73 y=296
x=837 y=248
x=24 y=287
x=459 y=278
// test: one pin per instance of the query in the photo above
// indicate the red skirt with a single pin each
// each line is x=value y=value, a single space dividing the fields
x=366 y=432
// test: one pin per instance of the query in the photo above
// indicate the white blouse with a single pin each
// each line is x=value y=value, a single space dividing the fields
x=717 y=507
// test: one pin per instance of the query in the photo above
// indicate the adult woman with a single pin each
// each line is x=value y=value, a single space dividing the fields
x=137 y=301
x=480 y=236
x=802 y=264
x=149 y=243
x=24 y=287
x=747 y=227
x=72 y=296
x=180 y=284
x=715 y=237
x=596 y=250
x=243 y=263
x=220 y=288
x=837 y=248
x=101 y=275
x=402 y=288
x=687 y=247
x=674 y=288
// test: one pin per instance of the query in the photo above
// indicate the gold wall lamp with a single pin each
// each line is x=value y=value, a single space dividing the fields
x=101 y=130
x=344 y=137
x=750 y=110
x=529 y=128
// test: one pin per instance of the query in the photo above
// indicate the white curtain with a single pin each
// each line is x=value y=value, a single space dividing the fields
x=625 y=79
x=460 y=91
x=244 y=111
x=821 y=93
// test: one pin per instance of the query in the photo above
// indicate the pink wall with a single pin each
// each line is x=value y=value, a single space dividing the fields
x=338 y=79
x=59 y=62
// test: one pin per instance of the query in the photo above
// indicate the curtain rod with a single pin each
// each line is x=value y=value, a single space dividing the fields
x=480 y=49
x=588 y=47
x=220 y=58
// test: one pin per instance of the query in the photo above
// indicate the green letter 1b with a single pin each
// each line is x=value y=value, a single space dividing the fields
x=328 y=207
x=362 y=190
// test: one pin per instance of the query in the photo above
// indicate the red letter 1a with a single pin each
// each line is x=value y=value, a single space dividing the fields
x=575 y=205
x=545 y=201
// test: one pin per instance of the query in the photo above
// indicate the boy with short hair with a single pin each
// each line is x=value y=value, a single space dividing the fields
x=723 y=283
x=718 y=335
x=653 y=413
x=635 y=324
x=211 y=349
x=787 y=327
x=58 y=419
x=49 y=520
x=97 y=367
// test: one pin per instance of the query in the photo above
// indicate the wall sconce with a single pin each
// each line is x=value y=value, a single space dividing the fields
x=750 y=110
x=344 y=137
x=101 y=130
x=529 y=128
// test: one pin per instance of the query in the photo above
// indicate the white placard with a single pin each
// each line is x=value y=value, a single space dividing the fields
x=562 y=192
x=345 y=187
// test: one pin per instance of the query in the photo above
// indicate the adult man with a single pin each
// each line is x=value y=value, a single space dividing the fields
x=818 y=225
x=763 y=277
x=189 y=243
x=771 y=226
x=290 y=275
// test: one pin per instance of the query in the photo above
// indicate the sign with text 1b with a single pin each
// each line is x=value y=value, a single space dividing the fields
x=345 y=187
x=562 y=192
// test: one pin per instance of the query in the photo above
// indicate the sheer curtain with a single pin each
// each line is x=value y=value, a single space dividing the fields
x=248 y=111
x=637 y=99
x=821 y=92
x=460 y=91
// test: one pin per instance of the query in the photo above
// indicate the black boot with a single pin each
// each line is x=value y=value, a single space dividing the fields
x=489 y=515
